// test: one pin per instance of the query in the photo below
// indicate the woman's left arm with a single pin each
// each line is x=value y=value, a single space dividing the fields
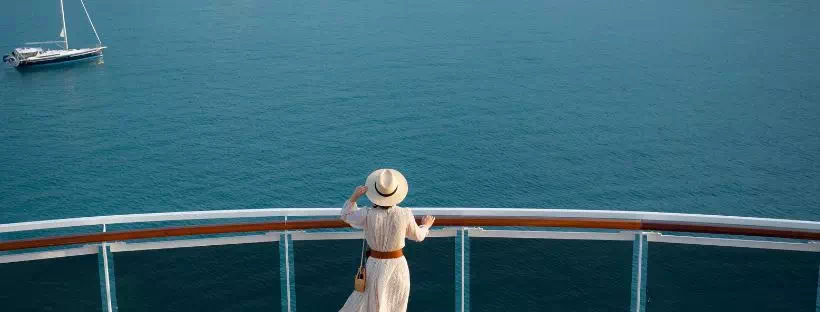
x=351 y=212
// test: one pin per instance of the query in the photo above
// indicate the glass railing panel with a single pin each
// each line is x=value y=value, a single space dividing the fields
x=549 y=275
x=63 y=284
x=325 y=269
x=215 y=278
x=710 y=278
x=324 y=272
x=432 y=274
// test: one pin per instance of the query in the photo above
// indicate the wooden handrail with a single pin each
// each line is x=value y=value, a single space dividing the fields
x=727 y=230
x=609 y=224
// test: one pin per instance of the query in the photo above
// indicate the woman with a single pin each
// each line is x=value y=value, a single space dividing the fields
x=387 y=286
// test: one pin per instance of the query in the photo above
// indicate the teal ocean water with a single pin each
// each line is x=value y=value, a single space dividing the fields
x=677 y=106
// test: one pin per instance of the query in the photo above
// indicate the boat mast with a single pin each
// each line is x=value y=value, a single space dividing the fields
x=65 y=31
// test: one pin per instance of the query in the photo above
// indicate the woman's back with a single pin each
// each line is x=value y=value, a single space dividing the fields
x=383 y=228
x=387 y=228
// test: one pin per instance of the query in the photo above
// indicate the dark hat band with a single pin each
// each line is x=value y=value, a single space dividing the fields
x=382 y=194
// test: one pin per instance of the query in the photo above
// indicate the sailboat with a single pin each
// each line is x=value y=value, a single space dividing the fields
x=35 y=56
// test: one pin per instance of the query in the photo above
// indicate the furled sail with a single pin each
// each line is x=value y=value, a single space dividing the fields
x=62 y=33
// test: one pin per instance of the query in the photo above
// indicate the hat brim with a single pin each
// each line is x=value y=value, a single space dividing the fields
x=392 y=200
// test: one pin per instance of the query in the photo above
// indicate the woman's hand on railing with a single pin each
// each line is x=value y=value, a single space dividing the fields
x=358 y=192
x=428 y=221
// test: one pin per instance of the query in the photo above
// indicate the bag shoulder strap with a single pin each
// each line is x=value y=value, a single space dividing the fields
x=364 y=240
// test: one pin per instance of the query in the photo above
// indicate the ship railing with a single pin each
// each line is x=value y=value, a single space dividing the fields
x=461 y=224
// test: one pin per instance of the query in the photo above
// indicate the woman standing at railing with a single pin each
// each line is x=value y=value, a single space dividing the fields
x=386 y=226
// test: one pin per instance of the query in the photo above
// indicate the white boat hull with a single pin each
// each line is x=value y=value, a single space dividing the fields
x=54 y=57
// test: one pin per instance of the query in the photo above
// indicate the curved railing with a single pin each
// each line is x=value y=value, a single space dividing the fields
x=461 y=223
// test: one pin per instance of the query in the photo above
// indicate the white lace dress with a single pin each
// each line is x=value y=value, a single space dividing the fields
x=388 y=280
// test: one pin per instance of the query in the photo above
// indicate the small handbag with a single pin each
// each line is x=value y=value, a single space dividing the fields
x=360 y=280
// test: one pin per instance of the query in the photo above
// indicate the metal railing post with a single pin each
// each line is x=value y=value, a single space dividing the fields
x=105 y=263
x=462 y=274
x=640 y=253
x=287 y=278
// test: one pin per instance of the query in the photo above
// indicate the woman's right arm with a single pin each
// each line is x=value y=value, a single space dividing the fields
x=416 y=232
x=351 y=212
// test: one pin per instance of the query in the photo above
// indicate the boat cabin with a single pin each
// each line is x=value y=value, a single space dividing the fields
x=24 y=53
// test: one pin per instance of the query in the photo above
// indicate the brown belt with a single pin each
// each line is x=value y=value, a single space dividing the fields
x=385 y=254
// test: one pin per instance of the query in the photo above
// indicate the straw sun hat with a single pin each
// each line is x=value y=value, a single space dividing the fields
x=386 y=187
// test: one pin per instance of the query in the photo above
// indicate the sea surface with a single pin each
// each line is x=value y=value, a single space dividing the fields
x=656 y=105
